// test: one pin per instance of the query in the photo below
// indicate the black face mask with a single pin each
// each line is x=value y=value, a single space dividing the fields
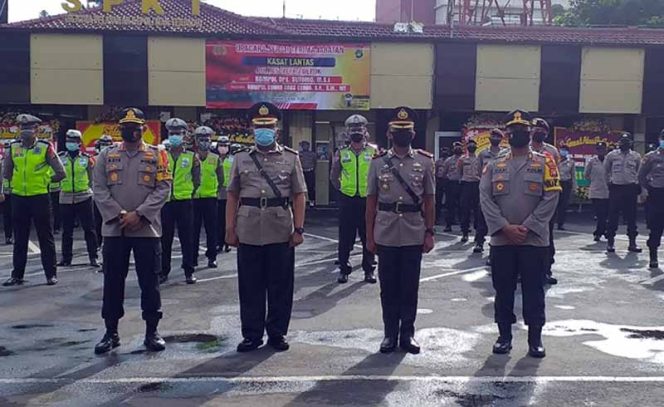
x=625 y=146
x=495 y=142
x=472 y=149
x=458 y=151
x=539 y=137
x=130 y=134
x=519 y=138
x=356 y=137
x=401 y=139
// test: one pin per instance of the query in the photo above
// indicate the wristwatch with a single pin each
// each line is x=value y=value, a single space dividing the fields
x=299 y=231
x=431 y=232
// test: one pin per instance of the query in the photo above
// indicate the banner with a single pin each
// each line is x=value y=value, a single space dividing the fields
x=92 y=131
x=290 y=75
x=482 y=136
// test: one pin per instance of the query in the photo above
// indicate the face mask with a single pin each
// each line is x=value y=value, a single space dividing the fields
x=458 y=151
x=564 y=153
x=223 y=150
x=130 y=134
x=625 y=146
x=539 y=137
x=72 y=146
x=661 y=144
x=176 y=140
x=401 y=139
x=265 y=137
x=356 y=137
x=472 y=149
x=519 y=138
x=27 y=134
x=204 y=145
x=495 y=142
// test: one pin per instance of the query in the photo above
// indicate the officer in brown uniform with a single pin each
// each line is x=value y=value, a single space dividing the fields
x=651 y=177
x=264 y=183
x=131 y=185
x=469 y=202
x=400 y=219
x=103 y=142
x=599 y=190
x=488 y=155
x=440 y=183
x=519 y=193
x=567 y=170
x=452 y=177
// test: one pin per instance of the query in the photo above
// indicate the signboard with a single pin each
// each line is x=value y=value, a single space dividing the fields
x=92 y=131
x=290 y=75
x=482 y=136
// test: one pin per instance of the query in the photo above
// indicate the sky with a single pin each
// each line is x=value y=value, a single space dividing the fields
x=314 y=9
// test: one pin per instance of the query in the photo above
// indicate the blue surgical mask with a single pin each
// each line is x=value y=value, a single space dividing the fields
x=265 y=137
x=72 y=146
x=564 y=153
x=175 y=140
x=661 y=144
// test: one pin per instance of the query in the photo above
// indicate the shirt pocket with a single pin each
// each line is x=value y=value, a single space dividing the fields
x=533 y=184
x=147 y=173
x=500 y=184
x=114 y=173
x=417 y=182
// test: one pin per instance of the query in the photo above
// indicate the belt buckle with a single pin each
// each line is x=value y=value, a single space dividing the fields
x=397 y=208
x=263 y=202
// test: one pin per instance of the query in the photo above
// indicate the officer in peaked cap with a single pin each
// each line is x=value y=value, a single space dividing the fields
x=400 y=220
x=226 y=156
x=131 y=185
x=519 y=193
x=265 y=220
x=469 y=201
x=31 y=165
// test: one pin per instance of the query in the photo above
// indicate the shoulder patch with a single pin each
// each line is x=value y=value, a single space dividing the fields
x=380 y=154
x=290 y=150
x=425 y=153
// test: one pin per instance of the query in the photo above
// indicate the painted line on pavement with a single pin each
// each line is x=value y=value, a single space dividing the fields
x=33 y=247
x=653 y=280
x=453 y=273
x=327 y=239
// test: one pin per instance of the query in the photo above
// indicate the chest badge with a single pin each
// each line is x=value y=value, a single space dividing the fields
x=185 y=162
x=114 y=177
x=500 y=186
x=533 y=186
x=146 y=178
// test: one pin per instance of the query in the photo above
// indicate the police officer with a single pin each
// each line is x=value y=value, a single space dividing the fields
x=103 y=142
x=469 y=201
x=651 y=177
x=260 y=222
x=186 y=171
x=487 y=155
x=131 y=185
x=226 y=156
x=452 y=177
x=440 y=183
x=27 y=168
x=54 y=189
x=6 y=200
x=598 y=190
x=350 y=169
x=308 y=159
x=567 y=171
x=76 y=198
x=400 y=220
x=205 y=199
x=622 y=168
x=519 y=193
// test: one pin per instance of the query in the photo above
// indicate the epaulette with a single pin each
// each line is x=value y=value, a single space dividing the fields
x=424 y=153
x=290 y=150
x=48 y=143
x=380 y=154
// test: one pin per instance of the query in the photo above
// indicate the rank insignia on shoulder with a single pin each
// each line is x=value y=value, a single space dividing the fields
x=425 y=153
x=290 y=150
x=380 y=154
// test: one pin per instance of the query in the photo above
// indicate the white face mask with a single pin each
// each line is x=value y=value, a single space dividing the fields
x=223 y=150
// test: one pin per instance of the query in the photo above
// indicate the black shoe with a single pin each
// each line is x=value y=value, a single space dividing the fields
x=163 y=278
x=388 y=345
x=561 y=227
x=278 y=343
x=464 y=238
x=212 y=264
x=447 y=229
x=247 y=345
x=12 y=281
x=611 y=245
x=369 y=277
x=550 y=280
x=633 y=247
x=190 y=278
x=111 y=340
x=51 y=281
x=654 y=261
x=64 y=263
x=598 y=238
x=410 y=345
x=343 y=278
x=479 y=248
x=9 y=240
x=94 y=263
x=502 y=346
x=535 y=347
x=154 y=343
x=536 y=351
x=227 y=248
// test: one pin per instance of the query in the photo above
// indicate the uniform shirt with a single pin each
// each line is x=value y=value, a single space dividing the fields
x=594 y=173
x=520 y=191
x=223 y=195
x=70 y=198
x=451 y=169
x=567 y=169
x=547 y=148
x=51 y=159
x=489 y=155
x=439 y=168
x=622 y=168
x=469 y=168
x=651 y=173
x=417 y=169
x=308 y=160
x=256 y=226
x=131 y=181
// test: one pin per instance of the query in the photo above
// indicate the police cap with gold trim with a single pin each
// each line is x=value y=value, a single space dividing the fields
x=132 y=115
x=516 y=117
x=403 y=118
x=264 y=114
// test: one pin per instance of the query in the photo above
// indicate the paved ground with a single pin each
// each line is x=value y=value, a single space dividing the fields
x=605 y=337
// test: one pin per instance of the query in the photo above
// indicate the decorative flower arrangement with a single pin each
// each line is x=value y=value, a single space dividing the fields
x=591 y=126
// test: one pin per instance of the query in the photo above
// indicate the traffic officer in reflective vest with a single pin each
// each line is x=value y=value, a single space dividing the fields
x=6 y=200
x=350 y=169
x=179 y=210
x=131 y=185
x=651 y=177
x=452 y=177
x=621 y=169
x=470 y=170
x=259 y=221
x=103 y=142
x=226 y=157
x=519 y=193
x=27 y=168
x=400 y=219
x=76 y=198
x=205 y=199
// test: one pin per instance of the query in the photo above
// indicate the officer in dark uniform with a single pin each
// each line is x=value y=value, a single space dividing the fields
x=131 y=185
x=103 y=142
x=519 y=193
x=260 y=222
x=452 y=177
x=469 y=201
x=28 y=167
x=400 y=219
x=651 y=177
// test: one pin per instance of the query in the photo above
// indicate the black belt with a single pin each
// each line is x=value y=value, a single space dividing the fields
x=399 y=207
x=264 y=202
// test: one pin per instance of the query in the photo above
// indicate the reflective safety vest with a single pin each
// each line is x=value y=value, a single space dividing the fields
x=209 y=182
x=183 y=182
x=32 y=174
x=53 y=186
x=6 y=186
x=355 y=171
x=77 y=179
x=227 y=164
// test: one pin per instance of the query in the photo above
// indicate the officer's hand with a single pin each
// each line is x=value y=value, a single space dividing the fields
x=231 y=238
x=371 y=246
x=130 y=221
x=2 y=198
x=516 y=234
x=429 y=243
x=296 y=240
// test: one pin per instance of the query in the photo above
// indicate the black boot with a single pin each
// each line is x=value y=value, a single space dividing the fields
x=654 y=262
x=479 y=247
x=504 y=343
x=633 y=247
x=369 y=277
x=535 y=347
x=611 y=245
x=153 y=342
x=464 y=237
x=388 y=345
x=94 y=262
x=190 y=278
x=110 y=340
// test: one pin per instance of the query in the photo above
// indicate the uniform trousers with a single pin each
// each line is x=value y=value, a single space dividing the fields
x=7 y=216
x=551 y=249
x=440 y=193
x=265 y=273
x=399 y=274
x=98 y=222
x=82 y=210
x=180 y=214
x=221 y=221
x=481 y=227
x=310 y=180
x=622 y=200
x=509 y=262
x=452 y=194
x=55 y=206
x=38 y=210
x=116 y=252
x=655 y=214
x=351 y=223
x=205 y=213
x=469 y=202
x=563 y=202
x=601 y=207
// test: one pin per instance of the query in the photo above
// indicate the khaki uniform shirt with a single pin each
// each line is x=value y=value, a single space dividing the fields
x=131 y=181
x=622 y=168
x=520 y=191
x=651 y=173
x=567 y=169
x=417 y=169
x=222 y=191
x=594 y=173
x=490 y=154
x=260 y=227
x=70 y=198
x=439 y=168
x=308 y=160
x=548 y=149
x=451 y=169
x=469 y=167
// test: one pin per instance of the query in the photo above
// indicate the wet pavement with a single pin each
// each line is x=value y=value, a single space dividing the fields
x=604 y=338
